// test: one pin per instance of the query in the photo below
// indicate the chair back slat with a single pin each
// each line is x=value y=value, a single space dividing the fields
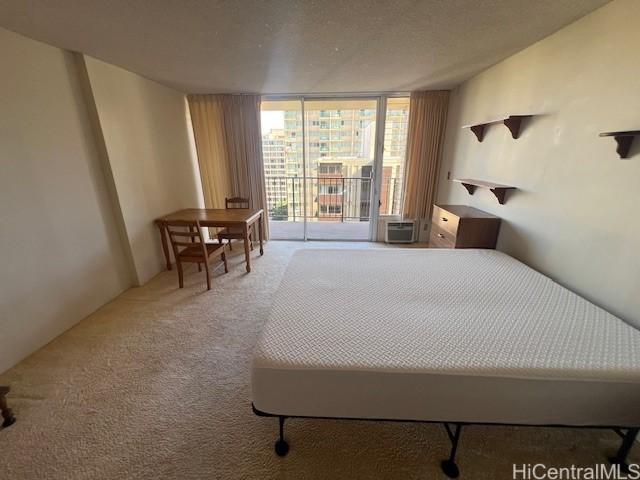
x=185 y=244
x=176 y=228
x=236 y=202
x=185 y=234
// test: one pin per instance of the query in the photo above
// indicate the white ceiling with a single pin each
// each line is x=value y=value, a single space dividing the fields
x=295 y=46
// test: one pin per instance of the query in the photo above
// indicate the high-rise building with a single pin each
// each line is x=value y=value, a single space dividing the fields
x=340 y=149
x=274 y=159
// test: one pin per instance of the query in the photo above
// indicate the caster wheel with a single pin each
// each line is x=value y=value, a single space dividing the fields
x=282 y=448
x=8 y=421
x=624 y=467
x=450 y=469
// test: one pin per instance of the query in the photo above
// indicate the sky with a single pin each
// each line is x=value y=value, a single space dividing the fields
x=271 y=120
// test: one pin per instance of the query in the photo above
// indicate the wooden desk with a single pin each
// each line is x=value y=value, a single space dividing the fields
x=216 y=217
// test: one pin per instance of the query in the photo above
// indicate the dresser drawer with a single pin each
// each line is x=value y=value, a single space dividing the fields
x=461 y=226
x=440 y=238
x=445 y=220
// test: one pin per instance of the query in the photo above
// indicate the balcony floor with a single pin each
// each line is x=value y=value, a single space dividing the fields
x=325 y=230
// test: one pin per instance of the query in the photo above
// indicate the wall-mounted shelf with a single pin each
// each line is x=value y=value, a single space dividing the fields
x=624 y=141
x=512 y=122
x=497 y=189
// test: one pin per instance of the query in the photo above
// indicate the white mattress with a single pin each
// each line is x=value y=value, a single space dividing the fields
x=456 y=335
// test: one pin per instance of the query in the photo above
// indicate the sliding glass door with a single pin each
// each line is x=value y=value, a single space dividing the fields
x=283 y=156
x=340 y=137
x=393 y=159
x=321 y=156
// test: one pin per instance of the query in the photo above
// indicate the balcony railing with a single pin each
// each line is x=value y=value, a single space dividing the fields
x=329 y=198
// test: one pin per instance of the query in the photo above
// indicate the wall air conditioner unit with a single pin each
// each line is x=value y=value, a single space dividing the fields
x=399 y=232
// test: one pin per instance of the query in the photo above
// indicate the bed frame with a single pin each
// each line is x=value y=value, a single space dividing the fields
x=454 y=431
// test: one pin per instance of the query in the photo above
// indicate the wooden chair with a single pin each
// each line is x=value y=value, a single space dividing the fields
x=235 y=232
x=195 y=250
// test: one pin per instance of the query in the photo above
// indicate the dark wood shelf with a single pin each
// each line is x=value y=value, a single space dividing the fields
x=512 y=122
x=624 y=141
x=497 y=189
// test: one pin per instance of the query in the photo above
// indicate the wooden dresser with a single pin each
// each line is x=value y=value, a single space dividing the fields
x=459 y=226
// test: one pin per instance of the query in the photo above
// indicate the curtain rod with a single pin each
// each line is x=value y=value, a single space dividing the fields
x=315 y=95
x=273 y=96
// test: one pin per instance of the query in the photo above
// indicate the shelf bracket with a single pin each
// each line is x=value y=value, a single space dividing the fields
x=499 y=193
x=470 y=188
x=513 y=123
x=624 y=145
x=478 y=130
x=624 y=140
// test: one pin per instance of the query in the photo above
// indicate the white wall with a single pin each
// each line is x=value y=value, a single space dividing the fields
x=90 y=155
x=575 y=216
x=151 y=154
x=61 y=256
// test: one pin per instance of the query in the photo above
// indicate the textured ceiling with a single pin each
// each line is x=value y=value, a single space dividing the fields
x=295 y=46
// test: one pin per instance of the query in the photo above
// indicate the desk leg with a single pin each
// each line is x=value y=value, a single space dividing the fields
x=247 y=254
x=165 y=246
x=261 y=231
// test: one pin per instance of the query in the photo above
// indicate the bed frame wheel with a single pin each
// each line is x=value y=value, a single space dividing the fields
x=628 y=439
x=8 y=421
x=8 y=418
x=282 y=448
x=450 y=468
x=624 y=466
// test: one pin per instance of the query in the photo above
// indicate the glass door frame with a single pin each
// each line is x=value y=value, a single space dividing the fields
x=381 y=114
x=381 y=119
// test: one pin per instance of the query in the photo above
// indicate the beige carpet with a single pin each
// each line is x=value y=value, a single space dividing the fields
x=156 y=385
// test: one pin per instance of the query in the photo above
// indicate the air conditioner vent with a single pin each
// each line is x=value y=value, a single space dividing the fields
x=399 y=232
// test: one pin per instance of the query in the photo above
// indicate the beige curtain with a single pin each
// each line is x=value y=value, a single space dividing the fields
x=208 y=130
x=229 y=145
x=427 y=120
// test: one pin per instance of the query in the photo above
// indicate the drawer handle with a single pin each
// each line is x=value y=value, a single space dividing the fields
x=445 y=219
x=440 y=235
